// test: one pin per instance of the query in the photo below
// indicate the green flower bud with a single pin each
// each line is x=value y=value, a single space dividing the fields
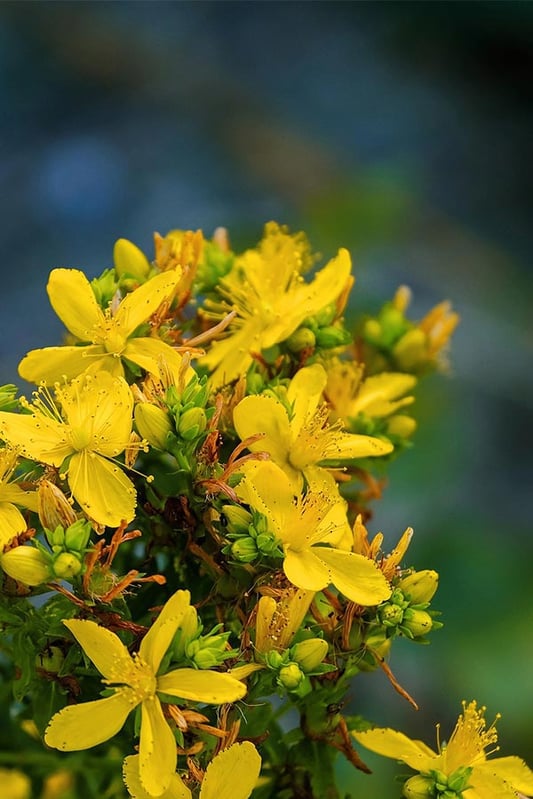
x=419 y=587
x=329 y=337
x=418 y=787
x=50 y=660
x=393 y=325
x=66 y=566
x=56 y=538
x=458 y=781
x=301 y=339
x=244 y=550
x=410 y=352
x=28 y=565
x=192 y=423
x=372 y=331
x=129 y=260
x=290 y=676
x=237 y=517
x=8 y=401
x=188 y=630
x=77 y=536
x=418 y=622
x=326 y=315
x=254 y=383
x=390 y=615
x=104 y=287
x=309 y=654
x=274 y=659
x=153 y=424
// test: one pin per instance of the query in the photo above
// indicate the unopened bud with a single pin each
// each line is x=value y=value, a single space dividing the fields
x=53 y=507
x=50 y=660
x=329 y=337
x=192 y=423
x=309 y=654
x=401 y=426
x=153 y=424
x=238 y=519
x=244 y=550
x=418 y=787
x=28 y=565
x=291 y=676
x=418 y=622
x=410 y=352
x=419 y=587
x=15 y=784
x=77 y=535
x=129 y=260
x=391 y=615
x=66 y=566
x=301 y=339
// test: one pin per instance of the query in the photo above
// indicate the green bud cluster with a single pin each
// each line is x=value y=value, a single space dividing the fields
x=214 y=265
x=201 y=651
x=400 y=345
x=295 y=665
x=105 y=287
x=436 y=784
x=69 y=547
x=405 y=612
x=249 y=534
x=321 y=331
x=189 y=412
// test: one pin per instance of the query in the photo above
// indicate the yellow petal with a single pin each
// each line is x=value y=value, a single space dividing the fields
x=305 y=570
x=376 y=395
x=264 y=414
x=149 y=353
x=13 y=493
x=56 y=364
x=139 y=305
x=157 y=749
x=511 y=769
x=232 y=774
x=36 y=437
x=304 y=392
x=74 y=302
x=130 y=260
x=82 y=726
x=391 y=743
x=103 y=647
x=132 y=778
x=265 y=488
x=158 y=638
x=355 y=576
x=486 y=784
x=209 y=687
x=101 y=488
x=349 y=445
x=231 y=357
x=11 y=523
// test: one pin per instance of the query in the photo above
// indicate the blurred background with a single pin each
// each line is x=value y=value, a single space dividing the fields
x=401 y=131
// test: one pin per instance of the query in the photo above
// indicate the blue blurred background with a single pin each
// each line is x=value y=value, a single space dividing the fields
x=401 y=131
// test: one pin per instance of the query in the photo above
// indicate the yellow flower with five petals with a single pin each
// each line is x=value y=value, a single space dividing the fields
x=135 y=682
x=311 y=528
x=91 y=429
x=460 y=766
x=105 y=337
x=270 y=298
x=300 y=443
x=232 y=774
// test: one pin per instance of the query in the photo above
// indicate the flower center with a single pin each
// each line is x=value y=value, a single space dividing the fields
x=80 y=438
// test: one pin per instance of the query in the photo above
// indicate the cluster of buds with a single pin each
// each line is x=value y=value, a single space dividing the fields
x=191 y=648
x=249 y=534
x=293 y=667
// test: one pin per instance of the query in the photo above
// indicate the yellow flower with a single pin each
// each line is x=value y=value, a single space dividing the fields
x=232 y=774
x=460 y=765
x=266 y=290
x=134 y=680
x=378 y=396
x=299 y=444
x=278 y=620
x=93 y=427
x=306 y=525
x=11 y=519
x=107 y=337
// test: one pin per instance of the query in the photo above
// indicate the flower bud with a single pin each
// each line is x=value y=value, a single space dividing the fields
x=310 y=653
x=53 y=507
x=129 y=260
x=401 y=426
x=330 y=336
x=192 y=423
x=244 y=550
x=27 y=564
x=15 y=784
x=326 y=315
x=391 y=615
x=290 y=676
x=418 y=787
x=410 y=352
x=66 y=566
x=393 y=324
x=301 y=339
x=418 y=622
x=77 y=536
x=153 y=424
x=237 y=517
x=8 y=400
x=419 y=587
x=50 y=660
x=458 y=781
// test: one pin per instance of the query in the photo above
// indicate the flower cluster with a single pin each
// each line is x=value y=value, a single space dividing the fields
x=186 y=493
